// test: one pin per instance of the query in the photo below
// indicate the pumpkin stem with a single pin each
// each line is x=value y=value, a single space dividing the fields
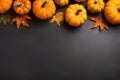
x=96 y=1
x=18 y=5
x=118 y=9
x=45 y=2
x=77 y=13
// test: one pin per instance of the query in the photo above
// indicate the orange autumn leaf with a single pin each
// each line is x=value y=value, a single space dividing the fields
x=58 y=18
x=80 y=0
x=21 y=20
x=99 y=22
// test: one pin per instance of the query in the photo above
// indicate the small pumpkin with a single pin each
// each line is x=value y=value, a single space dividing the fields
x=22 y=7
x=95 y=6
x=75 y=15
x=112 y=11
x=61 y=2
x=5 y=5
x=44 y=9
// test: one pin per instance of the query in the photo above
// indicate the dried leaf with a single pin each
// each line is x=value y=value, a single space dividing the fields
x=99 y=22
x=58 y=18
x=80 y=0
x=5 y=18
x=21 y=20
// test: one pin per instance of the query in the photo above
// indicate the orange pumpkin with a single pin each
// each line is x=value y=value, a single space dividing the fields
x=44 y=9
x=61 y=2
x=75 y=15
x=95 y=6
x=112 y=11
x=22 y=7
x=5 y=5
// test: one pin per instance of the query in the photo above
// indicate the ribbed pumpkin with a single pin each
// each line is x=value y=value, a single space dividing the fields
x=44 y=9
x=5 y=5
x=75 y=15
x=22 y=7
x=95 y=6
x=61 y=2
x=112 y=11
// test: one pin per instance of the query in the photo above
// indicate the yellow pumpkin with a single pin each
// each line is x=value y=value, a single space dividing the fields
x=61 y=2
x=22 y=7
x=95 y=6
x=44 y=9
x=5 y=5
x=75 y=15
x=112 y=11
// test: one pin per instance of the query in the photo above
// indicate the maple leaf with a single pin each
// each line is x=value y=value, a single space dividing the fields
x=5 y=18
x=58 y=18
x=99 y=22
x=21 y=20
x=80 y=0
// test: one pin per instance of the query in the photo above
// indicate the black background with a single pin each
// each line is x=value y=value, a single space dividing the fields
x=45 y=52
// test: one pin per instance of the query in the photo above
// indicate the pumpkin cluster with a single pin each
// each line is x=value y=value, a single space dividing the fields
x=75 y=13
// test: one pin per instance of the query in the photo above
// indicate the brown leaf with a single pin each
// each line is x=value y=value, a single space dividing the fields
x=5 y=18
x=99 y=22
x=58 y=18
x=21 y=20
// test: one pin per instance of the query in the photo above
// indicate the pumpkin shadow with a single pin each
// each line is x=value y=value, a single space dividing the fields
x=37 y=22
x=67 y=27
x=114 y=26
x=95 y=14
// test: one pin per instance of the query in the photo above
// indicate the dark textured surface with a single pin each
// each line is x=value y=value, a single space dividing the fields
x=46 y=52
